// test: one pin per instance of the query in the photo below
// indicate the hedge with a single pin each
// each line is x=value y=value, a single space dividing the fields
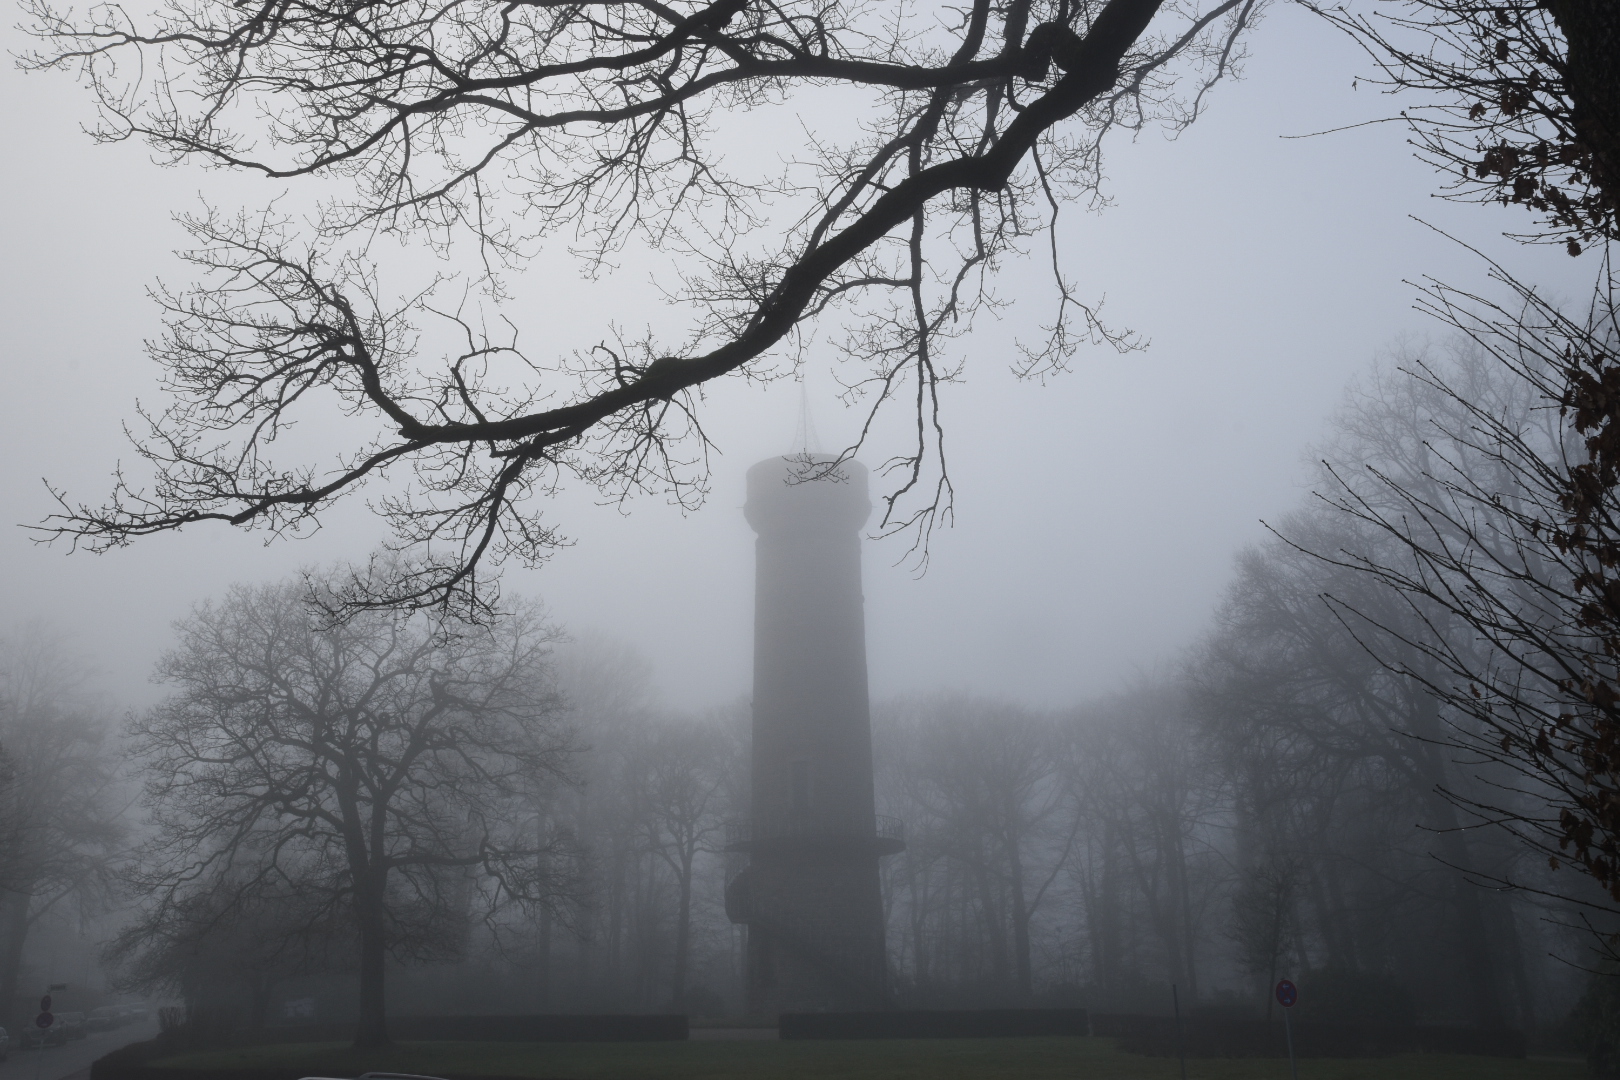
x=934 y=1024
x=132 y=1062
x=1156 y=1036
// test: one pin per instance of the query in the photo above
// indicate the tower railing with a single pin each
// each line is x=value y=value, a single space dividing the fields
x=887 y=833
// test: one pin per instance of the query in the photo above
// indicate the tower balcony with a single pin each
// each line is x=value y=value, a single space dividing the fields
x=810 y=831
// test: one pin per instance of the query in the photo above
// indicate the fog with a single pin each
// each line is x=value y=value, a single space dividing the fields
x=1272 y=256
x=1097 y=514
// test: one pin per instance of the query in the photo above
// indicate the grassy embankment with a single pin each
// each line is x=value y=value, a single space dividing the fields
x=935 y=1059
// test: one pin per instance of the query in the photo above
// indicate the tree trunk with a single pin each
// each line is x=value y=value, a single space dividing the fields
x=1335 y=913
x=1020 y=921
x=644 y=938
x=543 y=974
x=921 y=968
x=617 y=901
x=259 y=987
x=1279 y=916
x=1187 y=918
x=13 y=933
x=586 y=944
x=1479 y=967
x=1523 y=989
x=995 y=931
x=1592 y=32
x=683 y=935
x=372 y=1030
x=1106 y=958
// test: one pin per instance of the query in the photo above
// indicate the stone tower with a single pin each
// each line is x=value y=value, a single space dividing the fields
x=810 y=893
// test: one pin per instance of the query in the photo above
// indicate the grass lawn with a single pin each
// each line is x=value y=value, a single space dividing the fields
x=876 y=1059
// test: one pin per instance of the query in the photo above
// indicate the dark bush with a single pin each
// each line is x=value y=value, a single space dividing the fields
x=934 y=1024
x=1156 y=1036
x=702 y=1001
x=611 y=1027
x=1596 y=1023
x=1345 y=996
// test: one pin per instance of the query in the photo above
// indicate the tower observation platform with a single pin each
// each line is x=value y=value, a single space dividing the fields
x=810 y=894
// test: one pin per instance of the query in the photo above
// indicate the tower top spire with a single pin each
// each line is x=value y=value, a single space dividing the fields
x=805 y=439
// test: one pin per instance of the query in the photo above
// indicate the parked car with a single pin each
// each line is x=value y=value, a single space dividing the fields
x=104 y=1018
x=74 y=1024
x=34 y=1035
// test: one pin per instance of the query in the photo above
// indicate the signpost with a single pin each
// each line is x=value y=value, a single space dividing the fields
x=1287 y=996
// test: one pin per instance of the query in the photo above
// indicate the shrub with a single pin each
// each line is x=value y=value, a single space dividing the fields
x=1346 y=996
x=1596 y=1020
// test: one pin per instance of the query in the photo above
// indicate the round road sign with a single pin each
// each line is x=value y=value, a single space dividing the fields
x=44 y=1019
x=45 y=1003
x=1287 y=994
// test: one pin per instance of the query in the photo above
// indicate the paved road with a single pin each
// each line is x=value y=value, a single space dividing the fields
x=72 y=1060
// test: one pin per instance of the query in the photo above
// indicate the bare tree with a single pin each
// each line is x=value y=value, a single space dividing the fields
x=1520 y=103
x=682 y=813
x=61 y=808
x=985 y=795
x=226 y=946
x=383 y=765
x=599 y=120
x=1263 y=917
x=1496 y=621
x=606 y=687
x=1330 y=754
x=13 y=830
x=1146 y=798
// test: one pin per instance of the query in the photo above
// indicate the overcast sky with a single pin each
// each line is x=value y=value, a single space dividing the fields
x=1097 y=515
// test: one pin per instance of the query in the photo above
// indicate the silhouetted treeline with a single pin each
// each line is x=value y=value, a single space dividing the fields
x=1293 y=796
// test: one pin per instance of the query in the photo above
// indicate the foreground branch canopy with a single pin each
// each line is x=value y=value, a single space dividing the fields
x=513 y=121
x=1521 y=102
